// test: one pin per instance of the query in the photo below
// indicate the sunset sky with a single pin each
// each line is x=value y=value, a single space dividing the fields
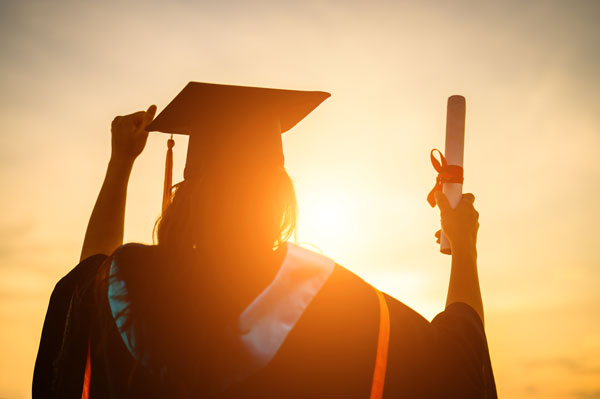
x=529 y=71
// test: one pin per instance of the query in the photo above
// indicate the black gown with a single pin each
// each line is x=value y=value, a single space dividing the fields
x=329 y=353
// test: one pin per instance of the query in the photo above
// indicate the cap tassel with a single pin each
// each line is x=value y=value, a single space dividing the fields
x=168 y=176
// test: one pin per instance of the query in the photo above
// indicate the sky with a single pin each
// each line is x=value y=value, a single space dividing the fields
x=360 y=162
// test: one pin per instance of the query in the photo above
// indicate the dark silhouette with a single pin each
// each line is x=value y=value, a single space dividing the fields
x=223 y=305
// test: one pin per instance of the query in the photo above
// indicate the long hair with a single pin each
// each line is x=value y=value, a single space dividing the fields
x=261 y=201
x=215 y=229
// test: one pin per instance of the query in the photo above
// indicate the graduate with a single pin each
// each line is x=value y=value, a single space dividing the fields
x=224 y=305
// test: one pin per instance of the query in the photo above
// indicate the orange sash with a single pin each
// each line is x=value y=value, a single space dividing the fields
x=382 y=348
x=85 y=392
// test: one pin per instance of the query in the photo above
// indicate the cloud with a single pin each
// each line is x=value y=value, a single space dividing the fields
x=570 y=364
x=594 y=394
x=13 y=237
x=531 y=389
x=20 y=296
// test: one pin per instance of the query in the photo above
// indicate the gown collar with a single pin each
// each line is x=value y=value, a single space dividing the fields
x=264 y=325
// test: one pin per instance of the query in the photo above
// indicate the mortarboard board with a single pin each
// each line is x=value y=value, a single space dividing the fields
x=229 y=123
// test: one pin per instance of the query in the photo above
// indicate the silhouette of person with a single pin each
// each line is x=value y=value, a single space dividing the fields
x=224 y=305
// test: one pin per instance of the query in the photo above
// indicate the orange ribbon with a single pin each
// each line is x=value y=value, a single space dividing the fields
x=446 y=174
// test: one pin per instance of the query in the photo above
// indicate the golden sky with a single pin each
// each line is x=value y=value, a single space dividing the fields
x=360 y=162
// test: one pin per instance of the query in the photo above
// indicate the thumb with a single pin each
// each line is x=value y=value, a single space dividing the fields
x=442 y=201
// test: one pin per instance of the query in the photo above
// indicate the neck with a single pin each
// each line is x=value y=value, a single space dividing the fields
x=240 y=275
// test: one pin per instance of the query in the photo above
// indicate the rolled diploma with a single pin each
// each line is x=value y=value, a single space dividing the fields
x=454 y=152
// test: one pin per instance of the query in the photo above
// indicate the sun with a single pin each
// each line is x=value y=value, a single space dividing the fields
x=326 y=220
x=326 y=216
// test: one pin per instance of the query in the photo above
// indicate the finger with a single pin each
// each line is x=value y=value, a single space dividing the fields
x=468 y=197
x=136 y=115
x=136 y=119
x=441 y=201
x=438 y=234
x=149 y=115
x=116 y=121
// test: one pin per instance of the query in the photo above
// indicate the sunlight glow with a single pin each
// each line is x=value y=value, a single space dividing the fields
x=326 y=215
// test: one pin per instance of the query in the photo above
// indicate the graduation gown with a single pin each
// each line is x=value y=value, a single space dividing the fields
x=330 y=351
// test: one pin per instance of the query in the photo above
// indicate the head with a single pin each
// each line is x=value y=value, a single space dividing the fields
x=237 y=195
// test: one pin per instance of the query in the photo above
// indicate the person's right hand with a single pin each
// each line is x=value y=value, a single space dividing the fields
x=460 y=225
x=129 y=134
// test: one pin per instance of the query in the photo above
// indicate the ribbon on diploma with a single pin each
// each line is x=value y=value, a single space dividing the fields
x=446 y=174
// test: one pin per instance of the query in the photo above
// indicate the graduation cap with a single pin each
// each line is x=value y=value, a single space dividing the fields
x=228 y=123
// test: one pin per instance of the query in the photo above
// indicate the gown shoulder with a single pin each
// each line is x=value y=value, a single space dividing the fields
x=58 y=370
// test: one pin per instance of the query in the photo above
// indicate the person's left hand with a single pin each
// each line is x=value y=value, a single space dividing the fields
x=129 y=134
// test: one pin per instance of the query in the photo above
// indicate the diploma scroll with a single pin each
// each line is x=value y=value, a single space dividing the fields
x=454 y=152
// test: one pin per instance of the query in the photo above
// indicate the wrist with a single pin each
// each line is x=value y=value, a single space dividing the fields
x=120 y=162
x=119 y=169
x=464 y=253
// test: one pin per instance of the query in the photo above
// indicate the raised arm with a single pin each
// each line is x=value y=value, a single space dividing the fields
x=460 y=225
x=104 y=232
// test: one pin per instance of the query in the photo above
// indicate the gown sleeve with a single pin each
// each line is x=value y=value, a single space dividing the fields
x=62 y=347
x=463 y=354
x=447 y=357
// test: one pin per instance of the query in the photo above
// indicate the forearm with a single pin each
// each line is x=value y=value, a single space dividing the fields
x=464 y=281
x=105 y=229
